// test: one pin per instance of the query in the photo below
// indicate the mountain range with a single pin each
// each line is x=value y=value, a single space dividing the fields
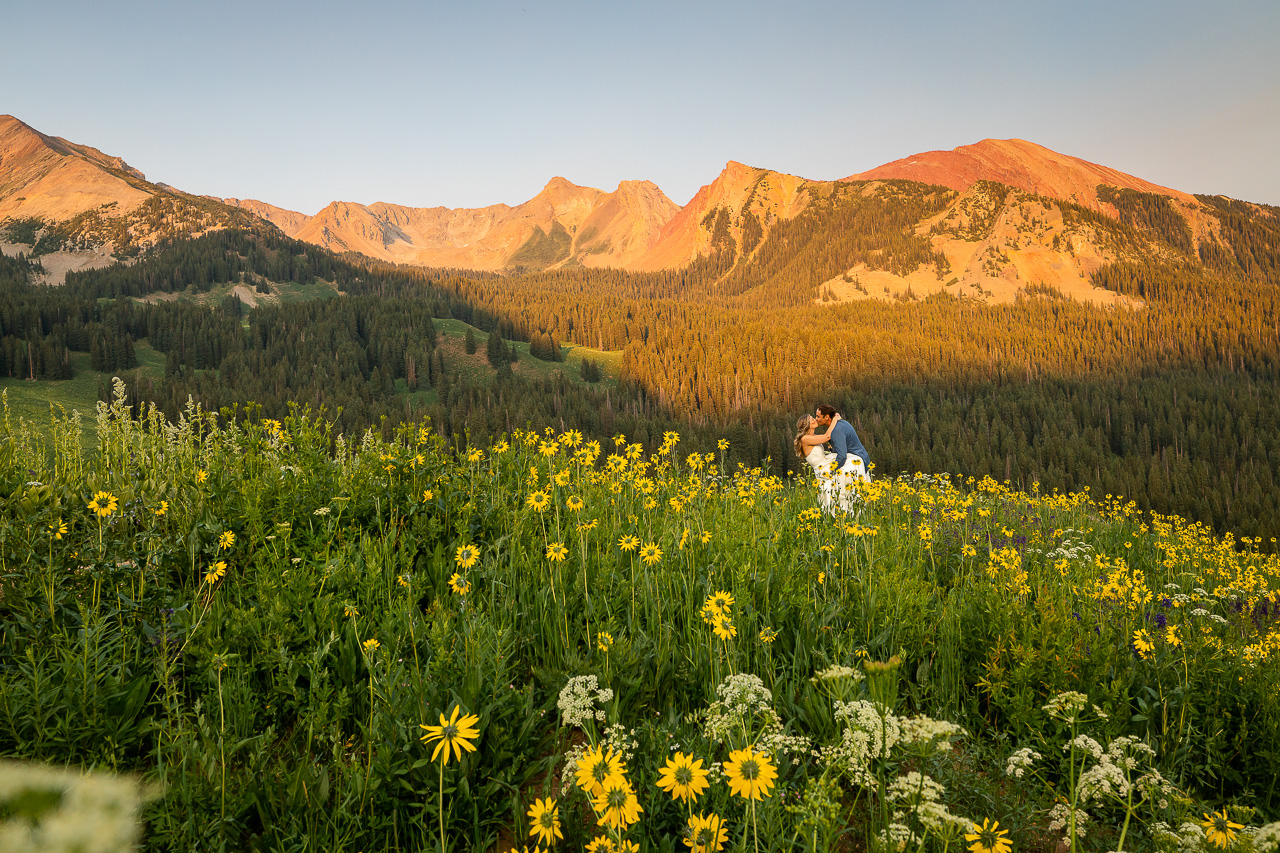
x=1004 y=216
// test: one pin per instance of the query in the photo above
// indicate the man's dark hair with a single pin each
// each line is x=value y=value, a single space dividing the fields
x=826 y=410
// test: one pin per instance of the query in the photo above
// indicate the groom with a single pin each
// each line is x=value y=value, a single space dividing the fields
x=844 y=439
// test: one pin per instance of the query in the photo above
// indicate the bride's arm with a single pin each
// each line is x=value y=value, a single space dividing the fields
x=820 y=438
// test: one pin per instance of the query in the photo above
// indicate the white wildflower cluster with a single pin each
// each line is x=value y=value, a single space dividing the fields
x=1187 y=838
x=94 y=813
x=1060 y=820
x=744 y=694
x=915 y=788
x=1113 y=775
x=934 y=735
x=1103 y=779
x=850 y=757
x=1074 y=546
x=883 y=732
x=571 y=759
x=774 y=739
x=578 y=701
x=741 y=698
x=1020 y=762
x=1067 y=706
x=1156 y=788
x=937 y=819
x=622 y=741
x=1127 y=751
x=1086 y=744
x=837 y=671
x=1199 y=612
x=1221 y=620
x=1267 y=840
x=895 y=838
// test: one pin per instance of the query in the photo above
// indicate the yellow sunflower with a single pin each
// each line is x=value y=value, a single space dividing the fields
x=556 y=552
x=574 y=503
x=989 y=838
x=215 y=574
x=617 y=804
x=1219 y=830
x=453 y=732
x=720 y=601
x=683 y=778
x=751 y=774
x=545 y=815
x=538 y=501
x=724 y=627
x=103 y=504
x=601 y=844
x=459 y=584
x=466 y=556
x=629 y=543
x=768 y=635
x=597 y=767
x=650 y=553
x=706 y=833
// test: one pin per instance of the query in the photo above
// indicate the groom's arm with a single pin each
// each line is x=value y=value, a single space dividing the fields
x=840 y=443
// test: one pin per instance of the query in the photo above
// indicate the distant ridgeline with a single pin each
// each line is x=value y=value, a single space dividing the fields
x=1172 y=402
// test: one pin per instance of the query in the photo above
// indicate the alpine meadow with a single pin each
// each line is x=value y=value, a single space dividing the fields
x=485 y=529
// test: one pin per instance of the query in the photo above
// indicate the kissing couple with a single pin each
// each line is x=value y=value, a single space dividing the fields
x=839 y=468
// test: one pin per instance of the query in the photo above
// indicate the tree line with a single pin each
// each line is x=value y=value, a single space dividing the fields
x=1171 y=404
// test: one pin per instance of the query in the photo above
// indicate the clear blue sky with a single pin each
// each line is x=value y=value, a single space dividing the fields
x=465 y=104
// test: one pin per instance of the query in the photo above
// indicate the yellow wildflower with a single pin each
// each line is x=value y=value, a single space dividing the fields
x=103 y=504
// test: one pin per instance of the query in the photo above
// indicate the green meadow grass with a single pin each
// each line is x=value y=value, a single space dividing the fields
x=259 y=621
x=32 y=401
x=452 y=338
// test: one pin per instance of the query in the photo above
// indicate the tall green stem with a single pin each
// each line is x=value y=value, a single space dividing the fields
x=440 y=806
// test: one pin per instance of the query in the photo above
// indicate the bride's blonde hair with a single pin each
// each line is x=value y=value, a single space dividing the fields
x=802 y=426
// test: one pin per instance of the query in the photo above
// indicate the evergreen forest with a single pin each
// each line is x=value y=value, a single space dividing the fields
x=1171 y=405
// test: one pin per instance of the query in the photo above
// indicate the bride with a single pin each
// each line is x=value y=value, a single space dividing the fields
x=808 y=446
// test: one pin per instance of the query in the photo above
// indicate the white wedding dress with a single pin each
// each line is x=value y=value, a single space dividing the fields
x=835 y=488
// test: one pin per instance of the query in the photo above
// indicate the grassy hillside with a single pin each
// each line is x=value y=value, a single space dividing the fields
x=475 y=366
x=31 y=401
x=265 y=626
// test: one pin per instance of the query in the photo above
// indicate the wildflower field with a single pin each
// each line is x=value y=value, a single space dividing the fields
x=299 y=641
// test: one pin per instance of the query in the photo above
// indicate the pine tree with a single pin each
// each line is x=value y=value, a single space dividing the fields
x=496 y=349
